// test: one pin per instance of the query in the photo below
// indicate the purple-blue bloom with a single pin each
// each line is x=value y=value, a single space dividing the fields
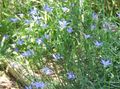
x=38 y=85
x=27 y=22
x=65 y=9
x=106 y=63
x=25 y=54
x=71 y=75
x=28 y=53
x=44 y=26
x=5 y=36
x=95 y=16
x=36 y=17
x=106 y=25
x=57 y=56
x=39 y=41
x=47 y=71
x=98 y=44
x=93 y=26
x=46 y=36
x=69 y=30
x=47 y=8
x=14 y=20
x=63 y=24
x=16 y=49
x=20 y=42
x=37 y=21
x=33 y=11
x=64 y=0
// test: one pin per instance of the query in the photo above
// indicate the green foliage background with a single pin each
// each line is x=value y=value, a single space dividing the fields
x=80 y=55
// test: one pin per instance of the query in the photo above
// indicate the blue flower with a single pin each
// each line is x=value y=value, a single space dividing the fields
x=27 y=22
x=47 y=71
x=33 y=11
x=94 y=16
x=64 y=0
x=28 y=53
x=16 y=49
x=14 y=20
x=106 y=63
x=71 y=75
x=39 y=41
x=5 y=36
x=25 y=54
x=57 y=56
x=46 y=36
x=47 y=8
x=35 y=17
x=44 y=26
x=98 y=44
x=63 y=24
x=106 y=26
x=20 y=42
x=65 y=9
x=87 y=36
x=69 y=30
x=93 y=26
x=37 y=21
x=38 y=85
